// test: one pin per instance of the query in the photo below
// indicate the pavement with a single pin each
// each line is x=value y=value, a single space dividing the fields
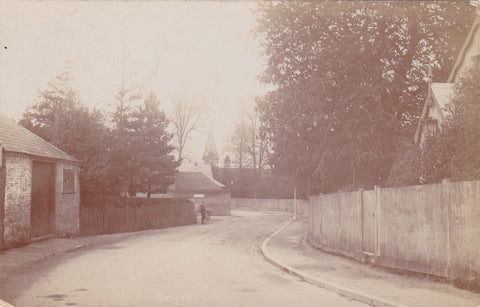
x=290 y=250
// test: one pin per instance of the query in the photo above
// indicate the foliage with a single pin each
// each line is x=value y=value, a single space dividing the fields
x=59 y=117
x=152 y=164
x=140 y=156
x=464 y=129
x=348 y=79
x=133 y=153
x=407 y=168
x=453 y=152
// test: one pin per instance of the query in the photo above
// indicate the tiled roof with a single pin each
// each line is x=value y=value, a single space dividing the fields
x=15 y=138
x=195 y=182
x=200 y=167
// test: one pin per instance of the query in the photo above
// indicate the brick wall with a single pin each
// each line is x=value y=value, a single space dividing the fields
x=67 y=205
x=18 y=186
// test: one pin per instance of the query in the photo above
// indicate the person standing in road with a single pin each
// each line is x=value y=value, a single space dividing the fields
x=203 y=212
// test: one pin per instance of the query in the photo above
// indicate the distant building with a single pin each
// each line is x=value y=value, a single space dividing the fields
x=210 y=155
x=226 y=162
x=195 y=181
x=435 y=110
x=258 y=183
x=39 y=188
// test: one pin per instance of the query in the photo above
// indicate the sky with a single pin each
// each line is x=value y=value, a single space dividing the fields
x=200 y=49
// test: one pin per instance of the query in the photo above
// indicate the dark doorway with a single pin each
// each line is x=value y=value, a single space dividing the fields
x=43 y=202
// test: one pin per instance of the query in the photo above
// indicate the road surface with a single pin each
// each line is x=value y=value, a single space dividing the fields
x=198 y=265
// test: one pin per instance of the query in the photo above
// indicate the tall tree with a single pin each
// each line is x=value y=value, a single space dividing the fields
x=187 y=115
x=151 y=161
x=247 y=142
x=348 y=79
x=127 y=99
x=59 y=117
x=238 y=145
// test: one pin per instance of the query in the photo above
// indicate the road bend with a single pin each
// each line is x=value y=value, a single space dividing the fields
x=199 y=265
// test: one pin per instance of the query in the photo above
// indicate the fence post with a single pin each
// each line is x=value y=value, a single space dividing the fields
x=377 y=221
x=362 y=219
x=446 y=201
x=294 y=202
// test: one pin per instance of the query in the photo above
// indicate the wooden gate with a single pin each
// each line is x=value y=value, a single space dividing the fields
x=43 y=201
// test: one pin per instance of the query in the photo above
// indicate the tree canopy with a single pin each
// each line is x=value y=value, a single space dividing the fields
x=59 y=117
x=349 y=82
x=453 y=152
x=132 y=151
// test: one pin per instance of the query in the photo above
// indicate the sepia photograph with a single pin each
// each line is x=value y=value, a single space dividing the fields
x=239 y=153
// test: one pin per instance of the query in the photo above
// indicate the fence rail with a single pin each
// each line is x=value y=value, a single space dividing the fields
x=286 y=205
x=112 y=220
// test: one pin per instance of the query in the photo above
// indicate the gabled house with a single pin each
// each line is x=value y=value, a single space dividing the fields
x=435 y=109
x=39 y=188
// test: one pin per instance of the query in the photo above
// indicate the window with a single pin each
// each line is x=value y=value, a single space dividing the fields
x=68 y=181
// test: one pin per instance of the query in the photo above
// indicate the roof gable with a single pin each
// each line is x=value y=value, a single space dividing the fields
x=443 y=94
x=15 y=138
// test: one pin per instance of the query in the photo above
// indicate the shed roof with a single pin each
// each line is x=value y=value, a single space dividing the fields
x=196 y=182
x=15 y=138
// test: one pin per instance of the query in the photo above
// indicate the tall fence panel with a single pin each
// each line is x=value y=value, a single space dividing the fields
x=432 y=229
x=413 y=229
x=464 y=198
x=369 y=203
x=95 y=220
x=337 y=221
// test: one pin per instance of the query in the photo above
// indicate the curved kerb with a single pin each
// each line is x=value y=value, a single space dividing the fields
x=359 y=296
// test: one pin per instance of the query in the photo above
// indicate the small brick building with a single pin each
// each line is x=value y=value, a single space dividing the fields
x=39 y=188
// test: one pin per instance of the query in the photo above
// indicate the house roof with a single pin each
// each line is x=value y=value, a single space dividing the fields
x=468 y=49
x=196 y=182
x=440 y=94
x=200 y=167
x=443 y=94
x=15 y=138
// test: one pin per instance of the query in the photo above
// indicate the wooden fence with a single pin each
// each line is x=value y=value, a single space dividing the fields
x=432 y=229
x=286 y=205
x=112 y=220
